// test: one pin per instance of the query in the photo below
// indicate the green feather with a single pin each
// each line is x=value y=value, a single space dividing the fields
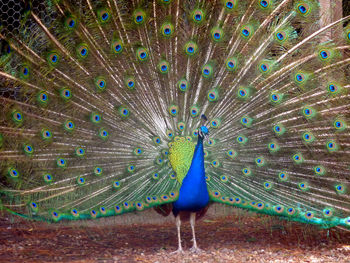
x=101 y=102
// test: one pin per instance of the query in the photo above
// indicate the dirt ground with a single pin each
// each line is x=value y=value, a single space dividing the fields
x=235 y=238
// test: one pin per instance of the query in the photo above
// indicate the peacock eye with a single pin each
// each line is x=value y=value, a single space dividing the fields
x=83 y=52
x=302 y=9
x=104 y=16
x=264 y=3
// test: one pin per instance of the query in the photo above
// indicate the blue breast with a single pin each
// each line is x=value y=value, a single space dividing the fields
x=193 y=194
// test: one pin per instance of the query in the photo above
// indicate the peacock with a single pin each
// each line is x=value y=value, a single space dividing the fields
x=110 y=107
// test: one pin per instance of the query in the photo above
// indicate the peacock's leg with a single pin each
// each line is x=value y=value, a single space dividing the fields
x=194 y=248
x=178 y=225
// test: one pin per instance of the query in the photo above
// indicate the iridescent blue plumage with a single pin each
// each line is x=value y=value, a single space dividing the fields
x=193 y=194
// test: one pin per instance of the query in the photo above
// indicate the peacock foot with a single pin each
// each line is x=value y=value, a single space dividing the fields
x=196 y=250
x=179 y=251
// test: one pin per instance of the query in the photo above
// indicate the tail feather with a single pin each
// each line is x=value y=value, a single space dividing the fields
x=94 y=92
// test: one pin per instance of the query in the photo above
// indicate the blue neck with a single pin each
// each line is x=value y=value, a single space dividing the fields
x=194 y=194
x=197 y=163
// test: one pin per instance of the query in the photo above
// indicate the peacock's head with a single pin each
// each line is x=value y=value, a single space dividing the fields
x=203 y=132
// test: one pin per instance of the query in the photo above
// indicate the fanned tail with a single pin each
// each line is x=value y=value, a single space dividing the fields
x=94 y=93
